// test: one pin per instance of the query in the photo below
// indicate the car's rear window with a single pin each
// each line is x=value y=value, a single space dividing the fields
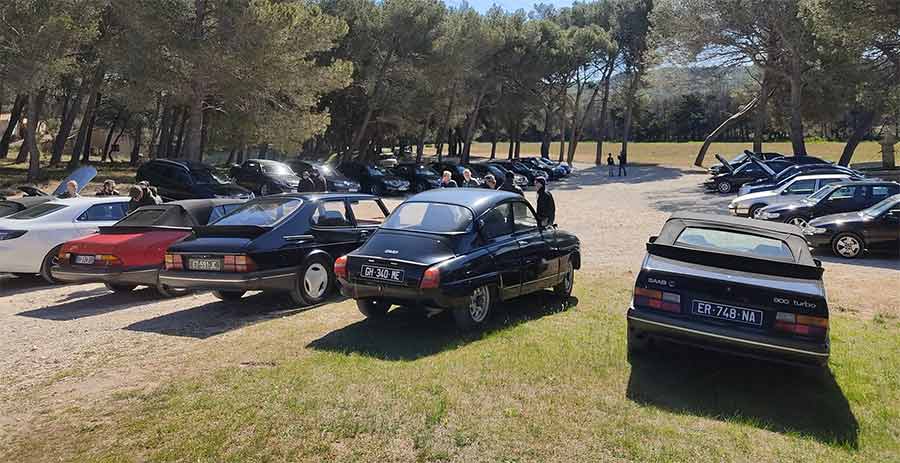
x=37 y=211
x=429 y=217
x=261 y=213
x=731 y=241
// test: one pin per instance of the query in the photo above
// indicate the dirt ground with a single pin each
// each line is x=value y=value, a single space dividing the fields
x=63 y=345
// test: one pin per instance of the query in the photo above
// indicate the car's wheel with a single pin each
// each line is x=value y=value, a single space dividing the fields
x=419 y=187
x=314 y=283
x=564 y=288
x=168 y=291
x=797 y=220
x=373 y=308
x=265 y=190
x=377 y=190
x=477 y=311
x=228 y=295
x=754 y=209
x=120 y=287
x=724 y=187
x=51 y=259
x=847 y=245
x=637 y=342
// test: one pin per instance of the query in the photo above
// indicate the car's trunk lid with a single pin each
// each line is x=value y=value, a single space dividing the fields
x=388 y=252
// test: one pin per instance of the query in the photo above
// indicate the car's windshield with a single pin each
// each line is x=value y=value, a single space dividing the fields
x=262 y=213
x=823 y=192
x=277 y=168
x=733 y=241
x=429 y=217
x=740 y=158
x=40 y=210
x=206 y=176
x=421 y=170
x=883 y=206
x=376 y=171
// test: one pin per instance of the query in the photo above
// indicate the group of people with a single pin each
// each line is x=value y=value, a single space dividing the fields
x=312 y=181
x=141 y=194
x=546 y=205
x=612 y=165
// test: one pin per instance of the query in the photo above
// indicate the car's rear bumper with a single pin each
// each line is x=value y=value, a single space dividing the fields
x=404 y=295
x=730 y=340
x=739 y=211
x=138 y=276
x=279 y=279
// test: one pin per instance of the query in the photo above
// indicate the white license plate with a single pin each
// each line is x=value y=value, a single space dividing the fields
x=205 y=265
x=727 y=312
x=381 y=273
x=85 y=260
x=353 y=190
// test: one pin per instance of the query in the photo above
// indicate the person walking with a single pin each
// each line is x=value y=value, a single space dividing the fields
x=546 y=206
x=468 y=181
x=447 y=180
x=611 y=163
x=622 y=171
x=319 y=181
x=509 y=184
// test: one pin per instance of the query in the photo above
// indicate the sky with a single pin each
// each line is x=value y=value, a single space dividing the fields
x=510 y=5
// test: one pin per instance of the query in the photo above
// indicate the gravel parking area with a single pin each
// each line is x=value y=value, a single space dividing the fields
x=62 y=344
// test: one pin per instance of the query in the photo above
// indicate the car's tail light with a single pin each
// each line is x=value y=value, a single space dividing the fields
x=108 y=260
x=431 y=278
x=803 y=325
x=655 y=299
x=174 y=262
x=238 y=264
x=340 y=267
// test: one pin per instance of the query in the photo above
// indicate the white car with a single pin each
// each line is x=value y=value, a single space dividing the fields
x=795 y=189
x=30 y=239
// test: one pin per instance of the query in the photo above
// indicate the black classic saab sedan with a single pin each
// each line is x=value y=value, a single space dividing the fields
x=284 y=242
x=850 y=234
x=731 y=284
x=460 y=249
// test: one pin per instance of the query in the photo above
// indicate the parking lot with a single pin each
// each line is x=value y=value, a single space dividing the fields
x=68 y=346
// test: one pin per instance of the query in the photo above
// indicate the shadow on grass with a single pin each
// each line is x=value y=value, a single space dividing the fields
x=407 y=334
x=771 y=396
x=106 y=302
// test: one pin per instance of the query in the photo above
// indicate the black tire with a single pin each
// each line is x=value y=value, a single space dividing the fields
x=373 y=308
x=51 y=259
x=377 y=190
x=797 y=220
x=229 y=296
x=564 y=288
x=724 y=187
x=314 y=283
x=419 y=187
x=638 y=343
x=120 y=287
x=169 y=292
x=478 y=311
x=848 y=245
x=754 y=208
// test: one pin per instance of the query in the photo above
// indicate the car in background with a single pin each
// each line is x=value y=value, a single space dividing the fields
x=763 y=184
x=732 y=179
x=552 y=170
x=264 y=177
x=836 y=198
x=34 y=196
x=374 y=179
x=30 y=240
x=565 y=168
x=179 y=179
x=334 y=180
x=456 y=171
x=481 y=170
x=742 y=159
x=282 y=243
x=791 y=191
x=421 y=178
x=731 y=284
x=462 y=250
x=131 y=252
x=517 y=167
x=851 y=233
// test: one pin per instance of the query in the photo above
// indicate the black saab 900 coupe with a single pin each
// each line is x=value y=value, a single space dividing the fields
x=459 y=249
x=284 y=242
x=731 y=284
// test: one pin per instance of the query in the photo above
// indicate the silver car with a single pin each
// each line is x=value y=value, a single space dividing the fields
x=795 y=189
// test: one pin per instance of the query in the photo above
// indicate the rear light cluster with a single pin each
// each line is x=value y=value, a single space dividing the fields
x=431 y=278
x=105 y=260
x=238 y=264
x=173 y=262
x=660 y=300
x=340 y=267
x=804 y=325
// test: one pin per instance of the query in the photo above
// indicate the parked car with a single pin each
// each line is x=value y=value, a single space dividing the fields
x=517 y=167
x=335 y=181
x=456 y=171
x=836 y=198
x=461 y=250
x=731 y=284
x=131 y=252
x=264 y=177
x=178 y=179
x=283 y=243
x=553 y=172
x=374 y=179
x=421 y=178
x=851 y=233
x=791 y=191
x=34 y=196
x=788 y=173
x=732 y=179
x=30 y=240
x=563 y=167
x=742 y=159
x=499 y=172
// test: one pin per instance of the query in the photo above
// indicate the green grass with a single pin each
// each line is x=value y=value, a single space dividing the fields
x=543 y=383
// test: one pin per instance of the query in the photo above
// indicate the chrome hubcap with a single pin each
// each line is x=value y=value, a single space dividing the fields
x=479 y=303
x=724 y=187
x=315 y=280
x=798 y=221
x=848 y=246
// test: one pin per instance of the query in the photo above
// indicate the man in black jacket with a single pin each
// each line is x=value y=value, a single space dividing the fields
x=306 y=184
x=546 y=206
x=319 y=180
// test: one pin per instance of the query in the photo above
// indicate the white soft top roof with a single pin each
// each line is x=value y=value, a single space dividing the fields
x=90 y=200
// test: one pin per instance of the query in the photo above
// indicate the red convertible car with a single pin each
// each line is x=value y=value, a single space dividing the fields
x=131 y=252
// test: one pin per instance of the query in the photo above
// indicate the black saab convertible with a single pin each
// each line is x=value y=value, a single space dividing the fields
x=283 y=243
x=459 y=249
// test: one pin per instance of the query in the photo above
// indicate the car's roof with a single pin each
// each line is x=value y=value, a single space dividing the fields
x=90 y=200
x=316 y=196
x=189 y=212
x=479 y=200
x=819 y=176
x=863 y=182
x=182 y=162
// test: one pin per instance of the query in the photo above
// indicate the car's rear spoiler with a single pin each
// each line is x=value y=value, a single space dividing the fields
x=736 y=262
x=230 y=231
x=126 y=229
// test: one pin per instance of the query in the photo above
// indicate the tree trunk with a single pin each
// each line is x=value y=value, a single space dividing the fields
x=420 y=141
x=204 y=137
x=178 y=150
x=797 y=141
x=379 y=82
x=14 y=116
x=86 y=155
x=109 y=135
x=35 y=104
x=439 y=142
x=86 y=118
x=194 y=143
x=116 y=140
x=231 y=155
x=604 y=107
x=722 y=127
x=263 y=149
x=862 y=124
x=136 y=147
x=494 y=144
x=629 y=111
x=545 y=136
x=562 y=122
x=160 y=148
x=68 y=120
x=578 y=124
x=473 y=120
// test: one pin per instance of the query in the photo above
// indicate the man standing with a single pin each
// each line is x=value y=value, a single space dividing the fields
x=622 y=171
x=306 y=184
x=447 y=180
x=108 y=188
x=509 y=184
x=468 y=181
x=71 y=190
x=611 y=163
x=546 y=206
x=140 y=197
x=319 y=181
x=490 y=182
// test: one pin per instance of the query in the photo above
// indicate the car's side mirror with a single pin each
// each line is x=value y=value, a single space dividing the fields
x=653 y=239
